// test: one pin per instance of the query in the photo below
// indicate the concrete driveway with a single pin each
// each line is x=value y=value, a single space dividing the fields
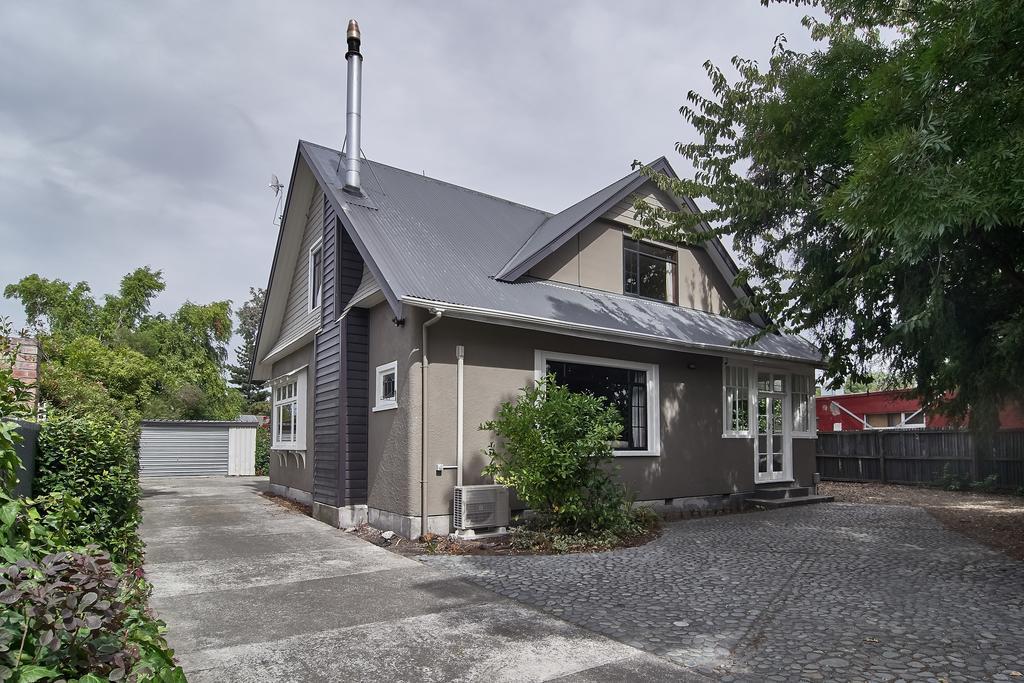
x=252 y=591
x=828 y=593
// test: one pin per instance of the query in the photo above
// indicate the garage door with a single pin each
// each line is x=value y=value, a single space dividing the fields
x=183 y=451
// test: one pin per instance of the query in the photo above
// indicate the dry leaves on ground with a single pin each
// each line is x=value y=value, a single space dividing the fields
x=994 y=519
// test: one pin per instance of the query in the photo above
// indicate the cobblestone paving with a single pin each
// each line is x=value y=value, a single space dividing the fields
x=832 y=592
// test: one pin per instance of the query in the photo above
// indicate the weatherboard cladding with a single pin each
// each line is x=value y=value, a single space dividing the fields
x=298 y=320
x=327 y=375
x=436 y=242
x=355 y=397
x=341 y=403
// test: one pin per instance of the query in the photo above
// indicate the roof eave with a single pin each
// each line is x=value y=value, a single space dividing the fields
x=601 y=333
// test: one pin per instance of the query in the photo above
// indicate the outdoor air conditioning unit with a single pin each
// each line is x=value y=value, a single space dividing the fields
x=481 y=509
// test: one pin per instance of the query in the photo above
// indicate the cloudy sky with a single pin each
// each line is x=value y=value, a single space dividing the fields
x=145 y=133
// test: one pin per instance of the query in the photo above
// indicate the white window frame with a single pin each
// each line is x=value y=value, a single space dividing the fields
x=310 y=304
x=812 y=418
x=380 y=403
x=541 y=358
x=727 y=431
x=299 y=408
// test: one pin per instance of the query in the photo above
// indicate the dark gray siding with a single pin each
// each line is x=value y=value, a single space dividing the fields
x=326 y=378
x=341 y=377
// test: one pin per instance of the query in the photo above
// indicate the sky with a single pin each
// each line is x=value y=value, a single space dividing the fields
x=139 y=134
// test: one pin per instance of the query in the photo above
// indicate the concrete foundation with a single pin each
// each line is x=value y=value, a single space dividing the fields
x=298 y=495
x=408 y=525
x=340 y=517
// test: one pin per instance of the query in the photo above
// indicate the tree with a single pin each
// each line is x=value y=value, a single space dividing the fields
x=872 y=190
x=116 y=358
x=253 y=391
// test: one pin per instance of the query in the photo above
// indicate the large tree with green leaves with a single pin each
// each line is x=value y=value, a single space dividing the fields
x=116 y=358
x=253 y=391
x=872 y=188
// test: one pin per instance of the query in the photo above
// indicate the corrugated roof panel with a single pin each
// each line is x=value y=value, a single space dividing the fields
x=438 y=242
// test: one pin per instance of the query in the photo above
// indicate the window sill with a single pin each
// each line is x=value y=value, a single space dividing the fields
x=727 y=435
x=288 y=447
x=384 y=406
x=636 y=454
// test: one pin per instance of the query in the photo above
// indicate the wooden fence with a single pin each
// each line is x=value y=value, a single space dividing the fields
x=918 y=456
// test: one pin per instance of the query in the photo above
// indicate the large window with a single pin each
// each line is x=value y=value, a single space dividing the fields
x=631 y=388
x=316 y=275
x=737 y=400
x=649 y=270
x=288 y=421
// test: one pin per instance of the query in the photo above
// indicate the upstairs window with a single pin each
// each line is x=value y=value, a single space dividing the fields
x=649 y=271
x=316 y=275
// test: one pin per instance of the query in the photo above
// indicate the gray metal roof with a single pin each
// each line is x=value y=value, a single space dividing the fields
x=430 y=241
x=553 y=232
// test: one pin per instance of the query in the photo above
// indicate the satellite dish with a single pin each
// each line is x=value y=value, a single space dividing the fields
x=275 y=184
x=833 y=408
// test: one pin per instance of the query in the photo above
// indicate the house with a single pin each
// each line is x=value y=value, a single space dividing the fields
x=890 y=409
x=403 y=310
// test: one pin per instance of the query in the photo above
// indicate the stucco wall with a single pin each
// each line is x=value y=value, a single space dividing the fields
x=696 y=460
x=394 y=435
x=594 y=259
x=286 y=468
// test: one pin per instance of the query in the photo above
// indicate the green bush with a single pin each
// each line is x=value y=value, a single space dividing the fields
x=75 y=613
x=263 y=450
x=556 y=454
x=95 y=459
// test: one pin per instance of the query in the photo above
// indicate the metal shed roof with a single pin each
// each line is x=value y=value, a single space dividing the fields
x=434 y=243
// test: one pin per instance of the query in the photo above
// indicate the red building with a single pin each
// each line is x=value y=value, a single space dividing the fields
x=888 y=410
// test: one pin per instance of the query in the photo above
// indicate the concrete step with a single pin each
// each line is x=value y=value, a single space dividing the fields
x=776 y=491
x=773 y=503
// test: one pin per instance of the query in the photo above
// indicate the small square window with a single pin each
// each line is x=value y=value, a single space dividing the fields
x=386 y=387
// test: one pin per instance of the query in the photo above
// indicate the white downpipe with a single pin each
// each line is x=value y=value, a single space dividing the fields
x=460 y=353
x=424 y=366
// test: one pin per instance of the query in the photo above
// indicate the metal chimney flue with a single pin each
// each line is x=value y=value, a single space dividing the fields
x=353 y=107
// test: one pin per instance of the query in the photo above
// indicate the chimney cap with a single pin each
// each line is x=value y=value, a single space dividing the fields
x=353 y=29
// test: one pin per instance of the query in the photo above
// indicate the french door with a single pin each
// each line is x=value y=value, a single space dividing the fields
x=773 y=446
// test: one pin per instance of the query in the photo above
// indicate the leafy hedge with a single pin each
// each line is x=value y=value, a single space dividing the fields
x=95 y=459
x=68 y=611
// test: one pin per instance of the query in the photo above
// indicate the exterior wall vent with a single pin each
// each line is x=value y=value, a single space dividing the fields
x=481 y=508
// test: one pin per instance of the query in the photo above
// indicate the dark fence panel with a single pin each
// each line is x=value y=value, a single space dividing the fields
x=917 y=456
x=27 y=454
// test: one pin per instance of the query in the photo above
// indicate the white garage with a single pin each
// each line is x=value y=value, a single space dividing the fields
x=197 y=448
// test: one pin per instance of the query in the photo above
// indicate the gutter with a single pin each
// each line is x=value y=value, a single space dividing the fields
x=424 y=366
x=598 y=332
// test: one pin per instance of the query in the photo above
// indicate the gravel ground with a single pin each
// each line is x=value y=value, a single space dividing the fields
x=996 y=520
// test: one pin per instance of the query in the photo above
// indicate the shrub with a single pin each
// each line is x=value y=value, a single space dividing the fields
x=952 y=480
x=74 y=613
x=96 y=460
x=263 y=450
x=987 y=485
x=556 y=453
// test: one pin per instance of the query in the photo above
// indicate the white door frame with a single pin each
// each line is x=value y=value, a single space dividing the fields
x=787 y=428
